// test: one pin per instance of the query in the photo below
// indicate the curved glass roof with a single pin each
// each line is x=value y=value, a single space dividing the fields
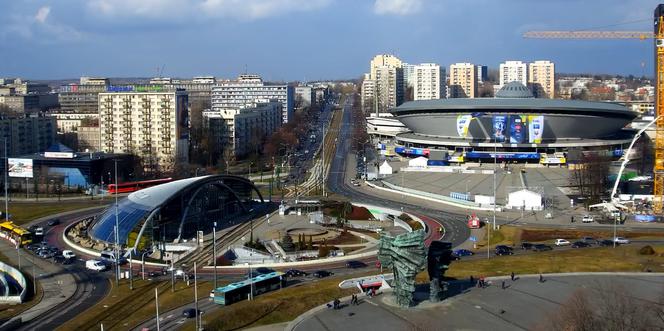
x=135 y=208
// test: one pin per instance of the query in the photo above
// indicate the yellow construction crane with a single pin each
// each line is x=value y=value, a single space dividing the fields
x=658 y=36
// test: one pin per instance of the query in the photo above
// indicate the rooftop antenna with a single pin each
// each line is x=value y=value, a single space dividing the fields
x=245 y=68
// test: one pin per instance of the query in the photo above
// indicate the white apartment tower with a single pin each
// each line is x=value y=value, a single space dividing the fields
x=248 y=91
x=463 y=80
x=428 y=82
x=368 y=92
x=153 y=126
x=541 y=79
x=408 y=75
x=511 y=71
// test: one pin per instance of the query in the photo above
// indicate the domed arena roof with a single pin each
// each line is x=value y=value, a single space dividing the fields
x=514 y=89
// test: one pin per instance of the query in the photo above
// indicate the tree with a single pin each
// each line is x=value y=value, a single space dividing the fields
x=310 y=244
x=287 y=243
x=590 y=175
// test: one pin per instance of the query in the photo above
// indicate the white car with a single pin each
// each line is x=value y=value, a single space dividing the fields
x=621 y=240
x=39 y=231
x=95 y=265
x=67 y=254
x=587 y=219
x=562 y=242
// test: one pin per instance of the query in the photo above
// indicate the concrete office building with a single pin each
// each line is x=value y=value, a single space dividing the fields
x=89 y=138
x=482 y=73
x=541 y=79
x=250 y=90
x=27 y=135
x=513 y=71
x=408 y=74
x=463 y=80
x=94 y=81
x=429 y=82
x=244 y=129
x=69 y=122
x=82 y=97
x=151 y=125
x=305 y=95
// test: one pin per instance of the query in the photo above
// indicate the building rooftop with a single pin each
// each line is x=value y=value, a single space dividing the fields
x=514 y=90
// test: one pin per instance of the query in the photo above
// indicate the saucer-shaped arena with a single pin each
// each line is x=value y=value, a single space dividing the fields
x=514 y=121
x=177 y=210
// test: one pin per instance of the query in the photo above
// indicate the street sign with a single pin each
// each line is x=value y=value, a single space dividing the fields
x=472 y=238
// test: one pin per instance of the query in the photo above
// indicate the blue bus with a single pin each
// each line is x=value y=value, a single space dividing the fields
x=239 y=291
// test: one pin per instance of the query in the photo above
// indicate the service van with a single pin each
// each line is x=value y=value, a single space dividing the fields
x=95 y=265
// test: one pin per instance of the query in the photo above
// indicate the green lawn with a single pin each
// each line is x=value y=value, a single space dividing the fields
x=24 y=212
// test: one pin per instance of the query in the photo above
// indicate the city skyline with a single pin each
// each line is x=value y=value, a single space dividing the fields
x=288 y=40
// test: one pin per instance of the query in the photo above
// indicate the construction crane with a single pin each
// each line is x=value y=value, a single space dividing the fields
x=658 y=36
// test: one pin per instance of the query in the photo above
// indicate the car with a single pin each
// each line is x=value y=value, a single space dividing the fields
x=322 y=274
x=561 y=242
x=504 y=247
x=587 y=219
x=212 y=294
x=295 y=273
x=463 y=252
x=264 y=270
x=503 y=251
x=607 y=242
x=621 y=240
x=355 y=264
x=580 y=244
x=39 y=231
x=53 y=222
x=67 y=254
x=526 y=245
x=46 y=254
x=189 y=313
x=589 y=240
x=95 y=265
x=542 y=248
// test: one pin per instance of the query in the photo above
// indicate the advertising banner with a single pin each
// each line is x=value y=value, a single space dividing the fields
x=517 y=129
x=499 y=124
x=536 y=127
x=463 y=122
x=20 y=168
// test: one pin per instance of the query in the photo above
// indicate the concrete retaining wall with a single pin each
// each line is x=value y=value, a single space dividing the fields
x=18 y=276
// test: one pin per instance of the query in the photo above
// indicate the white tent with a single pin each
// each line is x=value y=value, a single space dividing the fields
x=418 y=162
x=524 y=199
x=385 y=169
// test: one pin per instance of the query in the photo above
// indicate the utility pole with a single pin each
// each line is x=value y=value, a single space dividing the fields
x=6 y=179
x=198 y=324
x=117 y=229
x=131 y=276
x=323 y=167
x=495 y=170
x=214 y=253
x=156 y=304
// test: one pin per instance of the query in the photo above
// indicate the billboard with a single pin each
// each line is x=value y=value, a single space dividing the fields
x=536 y=127
x=462 y=124
x=517 y=129
x=499 y=125
x=20 y=168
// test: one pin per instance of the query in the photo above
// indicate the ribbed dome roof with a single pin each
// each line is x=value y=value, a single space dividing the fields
x=514 y=89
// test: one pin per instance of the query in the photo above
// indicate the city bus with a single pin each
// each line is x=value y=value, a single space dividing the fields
x=15 y=234
x=239 y=291
x=128 y=187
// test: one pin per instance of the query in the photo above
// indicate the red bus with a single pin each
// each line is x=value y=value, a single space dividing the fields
x=135 y=186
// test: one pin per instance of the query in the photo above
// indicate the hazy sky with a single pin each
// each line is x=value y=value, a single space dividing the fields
x=307 y=39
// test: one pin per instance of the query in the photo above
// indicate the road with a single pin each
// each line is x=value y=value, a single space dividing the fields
x=91 y=287
x=454 y=224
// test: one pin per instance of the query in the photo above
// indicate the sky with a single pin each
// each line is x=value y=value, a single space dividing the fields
x=304 y=40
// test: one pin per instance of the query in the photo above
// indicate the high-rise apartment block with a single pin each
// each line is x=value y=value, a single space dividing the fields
x=541 y=79
x=248 y=91
x=387 y=79
x=151 y=125
x=428 y=82
x=463 y=80
x=512 y=71
x=368 y=93
x=482 y=73
x=408 y=75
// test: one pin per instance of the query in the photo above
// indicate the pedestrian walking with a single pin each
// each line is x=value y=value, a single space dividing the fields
x=512 y=275
x=502 y=285
x=541 y=279
x=472 y=280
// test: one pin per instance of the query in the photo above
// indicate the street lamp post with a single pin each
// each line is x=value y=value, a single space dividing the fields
x=214 y=252
x=131 y=272
x=198 y=325
x=117 y=229
x=6 y=179
x=156 y=304
x=143 y=264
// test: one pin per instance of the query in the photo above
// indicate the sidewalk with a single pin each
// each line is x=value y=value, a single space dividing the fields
x=57 y=285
